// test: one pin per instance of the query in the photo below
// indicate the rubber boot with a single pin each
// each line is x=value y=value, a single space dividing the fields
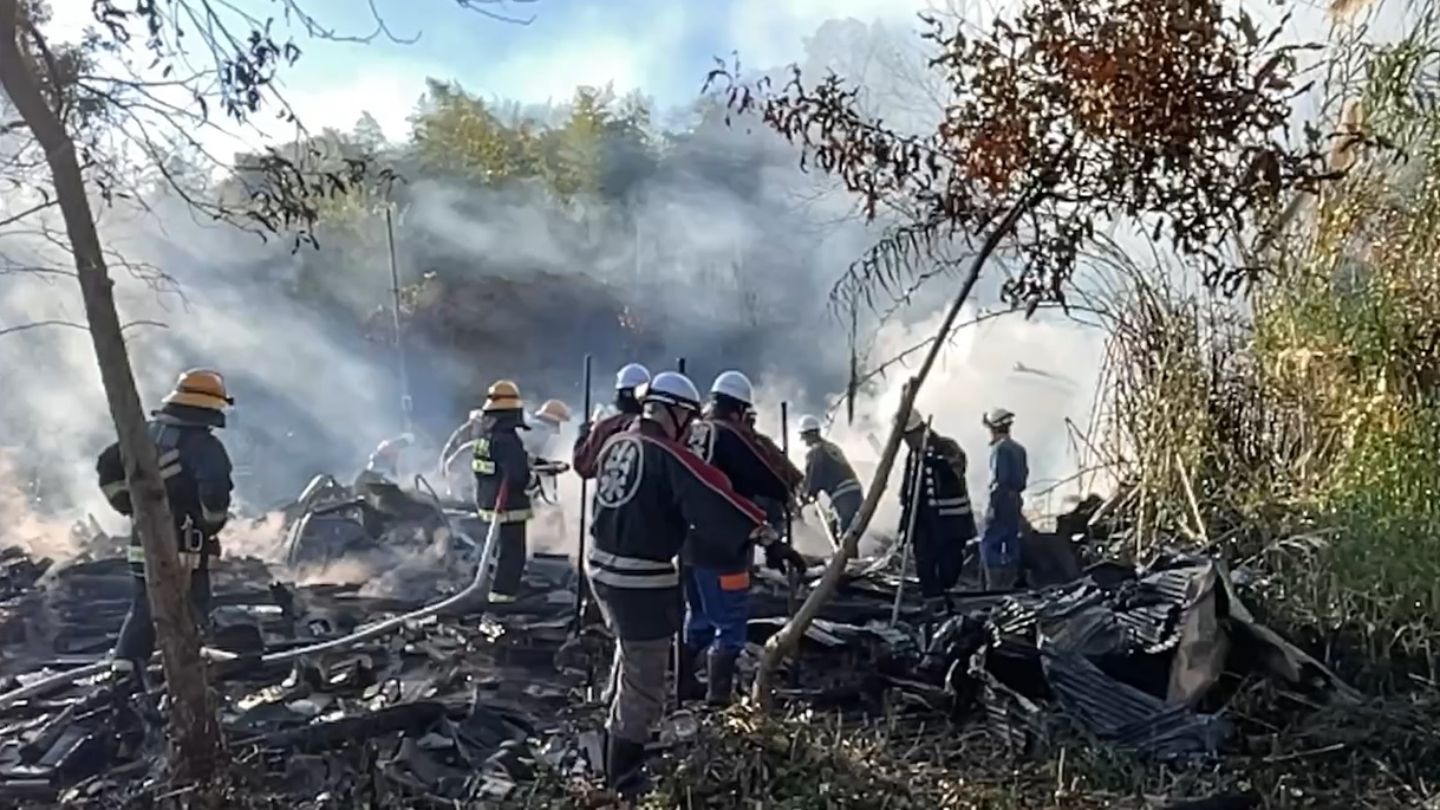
x=721 y=687
x=689 y=673
x=625 y=767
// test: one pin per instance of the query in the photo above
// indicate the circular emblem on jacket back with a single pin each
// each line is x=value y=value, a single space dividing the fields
x=621 y=468
x=701 y=439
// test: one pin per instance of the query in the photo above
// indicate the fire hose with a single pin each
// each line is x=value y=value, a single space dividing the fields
x=479 y=586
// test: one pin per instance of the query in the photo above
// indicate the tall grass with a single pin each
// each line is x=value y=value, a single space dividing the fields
x=1299 y=429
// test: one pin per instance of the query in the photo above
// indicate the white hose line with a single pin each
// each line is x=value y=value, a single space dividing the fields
x=484 y=572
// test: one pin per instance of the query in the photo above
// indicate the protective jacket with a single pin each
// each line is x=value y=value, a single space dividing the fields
x=500 y=456
x=945 y=510
x=538 y=439
x=1009 y=473
x=734 y=450
x=827 y=470
x=652 y=498
x=593 y=437
x=196 y=471
x=468 y=431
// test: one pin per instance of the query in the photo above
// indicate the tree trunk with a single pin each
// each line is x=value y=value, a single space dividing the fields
x=194 y=728
x=783 y=644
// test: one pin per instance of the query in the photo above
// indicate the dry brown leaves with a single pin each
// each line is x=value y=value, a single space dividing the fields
x=1171 y=115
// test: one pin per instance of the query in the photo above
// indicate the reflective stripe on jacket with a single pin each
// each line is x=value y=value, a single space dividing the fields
x=500 y=456
x=196 y=473
x=653 y=496
x=945 y=513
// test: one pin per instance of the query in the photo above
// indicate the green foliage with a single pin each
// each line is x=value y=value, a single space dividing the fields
x=1318 y=416
x=597 y=144
x=457 y=134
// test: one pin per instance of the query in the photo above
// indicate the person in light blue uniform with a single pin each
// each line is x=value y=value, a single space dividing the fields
x=1009 y=472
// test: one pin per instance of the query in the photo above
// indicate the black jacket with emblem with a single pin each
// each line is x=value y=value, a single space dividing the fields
x=945 y=510
x=585 y=458
x=196 y=470
x=652 y=497
x=500 y=456
x=827 y=470
x=725 y=446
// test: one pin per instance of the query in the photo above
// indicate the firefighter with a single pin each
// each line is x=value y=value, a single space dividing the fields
x=827 y=470
x=627 y=407
x=500 y=456
x=384 y=463
x=945 y=521
x=653 y=497
x=196 y=471
x=1009 y=471
x=718 y=577
x=544 y=427
x=455 y=449
x=777 y=459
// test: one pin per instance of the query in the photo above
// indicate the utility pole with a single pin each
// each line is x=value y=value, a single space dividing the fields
x=407 y=405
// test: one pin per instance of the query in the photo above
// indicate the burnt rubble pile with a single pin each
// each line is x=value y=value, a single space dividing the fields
x=1138 y=659
x=463 y=708
x=447 y=707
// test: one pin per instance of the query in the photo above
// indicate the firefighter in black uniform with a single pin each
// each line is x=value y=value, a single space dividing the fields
x=652 y=496
x=827 y=470
x=500 y=456
x=945 y=521
x=592 y=437
x=196 y=471
x=717 y=582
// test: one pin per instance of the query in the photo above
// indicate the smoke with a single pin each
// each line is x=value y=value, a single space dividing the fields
x=22 y=521
x=262 y=538
x=724 y=258
x=1045 y=371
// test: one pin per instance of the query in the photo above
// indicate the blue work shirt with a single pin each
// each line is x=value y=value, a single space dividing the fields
x=1009 y=472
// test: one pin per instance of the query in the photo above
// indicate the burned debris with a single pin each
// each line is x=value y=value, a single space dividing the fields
x=500 y=701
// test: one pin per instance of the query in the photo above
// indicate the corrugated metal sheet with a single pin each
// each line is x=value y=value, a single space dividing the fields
x=1121 y=714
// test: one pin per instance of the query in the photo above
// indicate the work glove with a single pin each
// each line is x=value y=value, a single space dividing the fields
x=765 y=535
x=779 y=557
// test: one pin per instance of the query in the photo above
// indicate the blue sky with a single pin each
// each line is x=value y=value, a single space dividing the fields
x=661 y=47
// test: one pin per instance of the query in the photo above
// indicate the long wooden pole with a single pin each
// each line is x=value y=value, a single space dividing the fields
x=582 y=584
x=908 y=539
x=677 y=652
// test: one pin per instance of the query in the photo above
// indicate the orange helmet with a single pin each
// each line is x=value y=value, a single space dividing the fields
x=554 y=411
x=200 y=388
x=502 y=396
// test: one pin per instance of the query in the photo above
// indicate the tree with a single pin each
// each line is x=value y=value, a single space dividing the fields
x=1061 y=119
x=102 y=132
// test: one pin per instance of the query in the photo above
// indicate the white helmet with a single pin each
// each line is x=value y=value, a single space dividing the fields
x=735 y=385
x=672 y=388
x=809 y=424
x=631 y=376
x=998 y=418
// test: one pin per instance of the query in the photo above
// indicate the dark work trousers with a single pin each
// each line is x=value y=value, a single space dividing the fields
x=635 y=691
x=938 y=558
x=843 y=511
x=137 y=634
x=510 y=561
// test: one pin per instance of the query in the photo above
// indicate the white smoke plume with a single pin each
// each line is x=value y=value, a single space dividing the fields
x=722 y=277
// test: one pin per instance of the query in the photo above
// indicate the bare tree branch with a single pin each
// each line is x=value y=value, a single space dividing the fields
x=41 y=206
x=24 y=327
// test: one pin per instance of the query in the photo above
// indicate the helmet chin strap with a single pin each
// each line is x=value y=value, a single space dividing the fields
x=679 y=419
